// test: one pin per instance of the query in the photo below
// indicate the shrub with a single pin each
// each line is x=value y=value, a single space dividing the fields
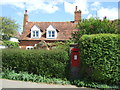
x=83 y=83
x=25 y=76
x=100 y=57
x=10 y=44
x=96 y=26
x=53 y=63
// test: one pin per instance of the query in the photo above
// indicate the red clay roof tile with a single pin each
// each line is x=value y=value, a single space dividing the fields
x=64 y=30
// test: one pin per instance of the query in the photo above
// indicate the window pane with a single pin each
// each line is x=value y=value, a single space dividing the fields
x=49 y=33
x=53 y=33
x=33 y=33
x=37 y=34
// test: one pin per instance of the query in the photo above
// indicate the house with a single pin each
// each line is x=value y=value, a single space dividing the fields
x=34 y=32
x=15 y=38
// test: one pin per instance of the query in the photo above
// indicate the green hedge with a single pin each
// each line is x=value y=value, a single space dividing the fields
x=10 y=44
x=100 y=57
x=53 y=63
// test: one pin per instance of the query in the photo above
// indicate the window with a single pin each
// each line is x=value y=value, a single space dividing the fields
x=35 y=34
x=51 y=34
x=29 y=47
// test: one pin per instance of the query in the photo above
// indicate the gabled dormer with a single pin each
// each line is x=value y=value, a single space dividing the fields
x=35 y=32
x=51 y=32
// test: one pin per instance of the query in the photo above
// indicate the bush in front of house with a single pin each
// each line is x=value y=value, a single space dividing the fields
x=52 y=63
x=10 y=44
x=100 y=57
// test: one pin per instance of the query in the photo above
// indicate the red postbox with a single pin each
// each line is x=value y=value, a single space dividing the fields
x=75 y=57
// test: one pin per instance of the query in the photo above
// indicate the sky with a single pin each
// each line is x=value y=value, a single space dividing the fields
x=57 y=10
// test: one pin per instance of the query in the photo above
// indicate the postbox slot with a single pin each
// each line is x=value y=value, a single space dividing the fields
x=75 y=51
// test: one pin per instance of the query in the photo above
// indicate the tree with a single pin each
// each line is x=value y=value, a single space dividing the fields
x=8 y=27
x=94 y=26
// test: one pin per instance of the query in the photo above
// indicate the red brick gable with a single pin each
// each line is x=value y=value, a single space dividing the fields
x=64 y=30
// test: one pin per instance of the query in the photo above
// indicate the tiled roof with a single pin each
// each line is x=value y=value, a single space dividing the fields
x=64 y=30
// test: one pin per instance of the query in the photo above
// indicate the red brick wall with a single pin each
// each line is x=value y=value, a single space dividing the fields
x=25 y=43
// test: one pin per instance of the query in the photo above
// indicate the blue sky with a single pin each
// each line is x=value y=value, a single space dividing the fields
x=57 y=10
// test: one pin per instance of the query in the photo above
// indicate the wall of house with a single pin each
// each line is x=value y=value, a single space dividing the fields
x=25 y=43
x=13 y=39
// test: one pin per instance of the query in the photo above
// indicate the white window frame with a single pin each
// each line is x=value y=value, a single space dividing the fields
x=35 y=34
x=51 y=29
x=35 y=29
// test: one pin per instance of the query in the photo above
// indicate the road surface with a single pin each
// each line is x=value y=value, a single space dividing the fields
x=5 y=83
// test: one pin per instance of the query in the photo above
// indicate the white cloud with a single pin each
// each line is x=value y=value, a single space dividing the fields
x=95 y=6
x=48 y=6
x=104 y=0
x=89 y=16
x=111 y=13
x=70 y=8
x=51 y=6
x=81 y=4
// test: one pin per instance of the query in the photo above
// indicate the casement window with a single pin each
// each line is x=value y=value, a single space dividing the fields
x=51 y=32
x=35 y=32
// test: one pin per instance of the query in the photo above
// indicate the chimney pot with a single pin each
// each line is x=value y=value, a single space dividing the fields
x=25 y=11
x=76 y=8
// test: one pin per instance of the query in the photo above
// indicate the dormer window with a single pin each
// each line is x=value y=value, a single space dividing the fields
x=51 y=32
x=35 y=32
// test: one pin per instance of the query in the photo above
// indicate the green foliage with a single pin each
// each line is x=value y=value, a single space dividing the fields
x=62 y=45
x=117 y=23
x=83 y=83
x=10 y=44
x=24 y=76
x=41 y=45
x=95 y=26
x=100 y=57
x=8 y=27
x=53 y=63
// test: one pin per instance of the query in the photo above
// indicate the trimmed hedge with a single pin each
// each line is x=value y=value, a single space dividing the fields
x=100 y=57
x=53 y=63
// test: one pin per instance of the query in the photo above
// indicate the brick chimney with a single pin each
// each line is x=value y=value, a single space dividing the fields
x=77 y=15
x=25 y=19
